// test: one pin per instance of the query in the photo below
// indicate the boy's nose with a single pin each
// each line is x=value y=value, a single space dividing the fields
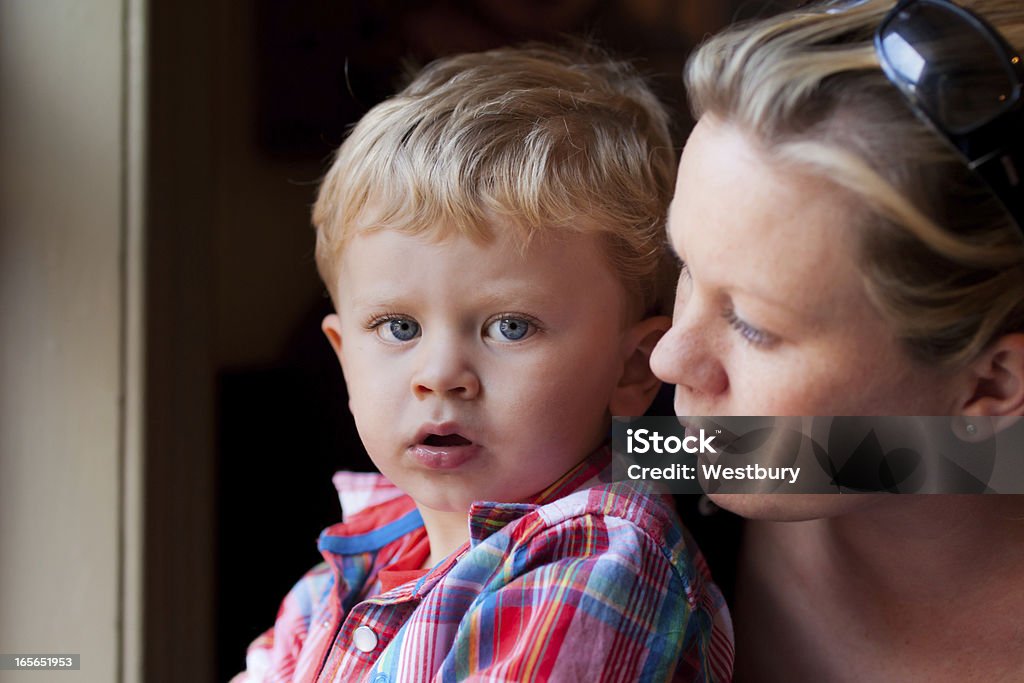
x=446 y=373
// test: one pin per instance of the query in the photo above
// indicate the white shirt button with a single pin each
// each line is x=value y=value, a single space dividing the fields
x=364 y=639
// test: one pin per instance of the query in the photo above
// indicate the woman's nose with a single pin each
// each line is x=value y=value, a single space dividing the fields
x=686 y=357
x=444 y=371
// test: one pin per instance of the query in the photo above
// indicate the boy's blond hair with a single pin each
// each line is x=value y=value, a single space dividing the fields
x=536 y=140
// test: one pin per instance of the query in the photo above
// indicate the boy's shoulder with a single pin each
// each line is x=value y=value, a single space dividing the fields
x=587 y=492
x=609 y=553
x=600 y=517
x=608 y=501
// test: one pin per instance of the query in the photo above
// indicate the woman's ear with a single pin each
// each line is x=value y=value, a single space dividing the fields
x=996 y=382
x=637 y=385
x=332 y=330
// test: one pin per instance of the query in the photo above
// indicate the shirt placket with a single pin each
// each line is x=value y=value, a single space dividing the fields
x=367 y=631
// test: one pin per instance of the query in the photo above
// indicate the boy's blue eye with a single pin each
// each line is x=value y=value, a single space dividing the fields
x=509 y=329
x=398 y=329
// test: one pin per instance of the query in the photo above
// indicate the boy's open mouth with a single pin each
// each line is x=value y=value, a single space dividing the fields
x=447 y=440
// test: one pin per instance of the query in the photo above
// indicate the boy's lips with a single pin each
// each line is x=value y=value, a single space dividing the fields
x=446 y=440
x=442 y=446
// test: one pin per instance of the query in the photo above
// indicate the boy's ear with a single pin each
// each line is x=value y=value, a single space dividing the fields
x=995 y=382
x=332 y=330
x=637 y=385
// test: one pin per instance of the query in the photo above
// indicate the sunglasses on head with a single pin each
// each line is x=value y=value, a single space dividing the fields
x=958 y=74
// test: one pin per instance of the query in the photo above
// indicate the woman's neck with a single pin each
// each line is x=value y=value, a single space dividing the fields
x=918 y=586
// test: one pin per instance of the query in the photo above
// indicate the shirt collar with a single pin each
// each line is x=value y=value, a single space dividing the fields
x=377 y=512
x=487 y=517
x=358 y=491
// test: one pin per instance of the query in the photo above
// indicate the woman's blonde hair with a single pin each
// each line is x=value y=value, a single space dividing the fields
x=537 y=141
x=942 y=259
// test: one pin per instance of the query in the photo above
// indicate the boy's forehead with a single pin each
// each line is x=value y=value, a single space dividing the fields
x=489 y=234
x=487 y=227
x=427 y=235
x=397 y=260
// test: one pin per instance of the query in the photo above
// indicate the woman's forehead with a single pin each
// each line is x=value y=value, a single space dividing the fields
x=744 y=223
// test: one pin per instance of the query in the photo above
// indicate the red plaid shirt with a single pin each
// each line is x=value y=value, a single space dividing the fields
x=592 y=581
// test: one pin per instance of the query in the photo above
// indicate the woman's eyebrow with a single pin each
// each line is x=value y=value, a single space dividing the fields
x=674 y=251
x=670 y=241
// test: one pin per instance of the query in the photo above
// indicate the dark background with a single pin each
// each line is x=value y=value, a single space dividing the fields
x=247 y=102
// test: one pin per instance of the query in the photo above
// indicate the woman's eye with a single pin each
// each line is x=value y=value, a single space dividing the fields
x=509 y=329
x=751 y=334
x=397 y=329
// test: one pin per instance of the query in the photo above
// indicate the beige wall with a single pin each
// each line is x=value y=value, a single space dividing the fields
x=65 y=256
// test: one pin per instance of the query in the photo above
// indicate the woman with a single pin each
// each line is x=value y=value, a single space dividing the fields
x=841 y=258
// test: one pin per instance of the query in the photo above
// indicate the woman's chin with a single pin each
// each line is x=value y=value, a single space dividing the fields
x=794 y=507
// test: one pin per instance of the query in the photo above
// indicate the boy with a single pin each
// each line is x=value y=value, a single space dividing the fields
x=492 y=241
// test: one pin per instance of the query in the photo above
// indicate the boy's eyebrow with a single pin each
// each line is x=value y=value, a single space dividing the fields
x=495 y=293
x=498 y=290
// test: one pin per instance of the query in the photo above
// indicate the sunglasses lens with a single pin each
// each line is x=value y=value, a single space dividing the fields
x=957 y=74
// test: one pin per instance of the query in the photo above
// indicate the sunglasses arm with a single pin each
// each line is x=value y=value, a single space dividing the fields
x=1003 y=170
